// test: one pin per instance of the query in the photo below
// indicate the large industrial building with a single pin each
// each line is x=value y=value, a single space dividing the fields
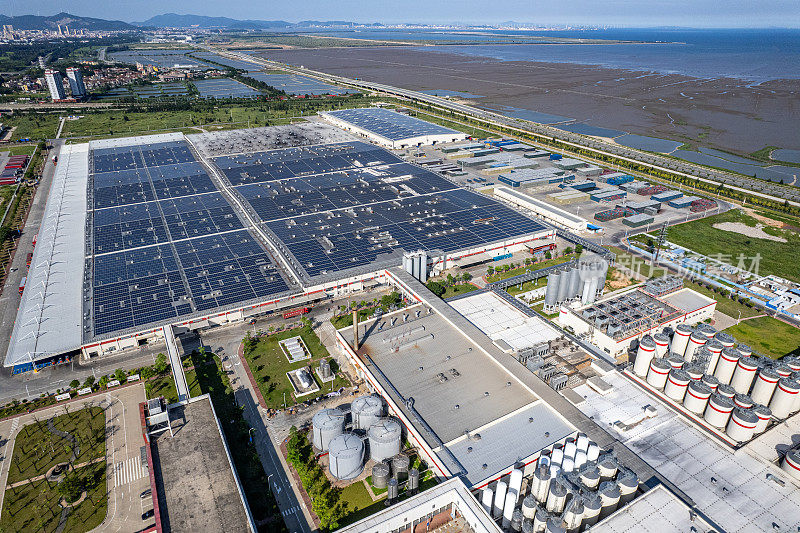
x=206 y=229
x=390 y=128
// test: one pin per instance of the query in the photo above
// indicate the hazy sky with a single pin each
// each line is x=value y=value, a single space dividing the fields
x=690 y=13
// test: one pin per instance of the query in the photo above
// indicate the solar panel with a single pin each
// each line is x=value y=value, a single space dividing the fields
x=224 y=88
x=389 y=124
x=293 y=84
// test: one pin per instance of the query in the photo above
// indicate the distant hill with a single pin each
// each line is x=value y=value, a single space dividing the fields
x=173 y=20
x=34 y=22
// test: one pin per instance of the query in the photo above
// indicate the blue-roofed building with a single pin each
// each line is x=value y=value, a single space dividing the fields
x=390 y=128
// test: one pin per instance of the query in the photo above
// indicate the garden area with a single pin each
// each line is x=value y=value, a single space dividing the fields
x=57 y=474
x=509 y=270
x=450 y=286
x=366 y=309
x=269 y=365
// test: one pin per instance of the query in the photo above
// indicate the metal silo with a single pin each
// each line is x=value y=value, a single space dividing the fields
x=744 y=374
x=551 y=292
x=366 y=411
x=413 y=480
x=765 y=385
x=346 y=456
x=380 y=475
x=791 y=464
x=645 y=354
x=628 y=483
x=575 y=285
x=742 y=424
x=563 y=286
x=400 y=464
x=384 y=439
x=609 y=498
x=764 y=415
x=662 y=344
x=726 y=365
x=327 y=425
x=680 y=339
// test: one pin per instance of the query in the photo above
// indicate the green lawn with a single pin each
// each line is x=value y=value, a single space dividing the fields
x=527 y=286
x=455 y=290
x=269 y=366
x=35 y=126
x=724 y=304
x=36 y=449
x=20 y=149
x=162 y=386
x=768 y=336
x=776 y=258
x=499 y=276
x=34 y=506
x=360 y=504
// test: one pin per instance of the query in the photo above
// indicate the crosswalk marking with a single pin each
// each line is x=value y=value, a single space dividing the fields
x=129 y=471
x=14 y=425
x=293 y=510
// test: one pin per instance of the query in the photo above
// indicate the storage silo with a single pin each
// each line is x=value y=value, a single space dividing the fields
x=608 y=467
x=744 y=350
x=784 y=371
x=325 y=369
x=508 y=509
x=564 y=284
x=551 y=291
x=529 y=506
x=515 y=482
x=366 y=411
x=573 y=514
x=657 y=375
x=516 y=520
x=590 y=476
x=764 y=416
x=662 y=344
x=400 y=464
x=594 y=288
x=346 y=456
x=499 y=499
x=726 y=365
x=592 y=452
x=413 y=480
x=540 y=521
x=744 y=374
x=791 y=464
x=540 y=483
x=575 y=285
x=743 y=400
x=628 y=483
x=591 y=509
x=694 y=371
x=792 y=362
x=487 y=498
x=380 y=475
x=783 y=400
x=697 y=395
x=726 y=390
x=714 y=348
x=677 y=382
x=384 y=439
x=725 y=339
x=645 y=354
x=556 y=497
x=680 y=339
x=765 y=384
x=609 y=498
x=711 y=381
x=742 y=425
x=696 y=340
x=554 y=526
x=675 y=362
x=719 y=410
x=392 y=492
x=327 y=424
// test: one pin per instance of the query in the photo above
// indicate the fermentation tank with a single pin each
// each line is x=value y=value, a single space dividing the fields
x=515 y=482
x=725 y=339
x=726 y=365
x=487 y=498
x=783 y=370
x=590 y=476
x=508 y=509
x=677 y=382
x=645 y=354
x=711 y=381
x=554 y=526
x=346 y=456
x=564 y=284
x=384 y=439
x=675 y=362
x=628 y=483
x=744 y=350
x=366 y=411
x=662 y=344
x=608 y=466
x=791 y=464
x=697 y=395
x=696 y=340
x=400 y=464
x=714 y=348
x=551 y=292
x=743 y=400
x=694 y=371
x=540 y=483
x=764 y=416
x=742 y=425
x=499 y=499
x=609 y=498
x=783 y=400
x=380 y=475
x=327 y=424
x=726 y=390
x=557 y=497
x=657 y=375
x=680 y=339
x=765 y=384
x=573 y=514
x=529 y=506
x=744 y=374
x=591 y=509
x=719 y=410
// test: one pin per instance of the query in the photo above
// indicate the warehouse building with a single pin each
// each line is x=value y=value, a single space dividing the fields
x=550 y=213
x=390 y=128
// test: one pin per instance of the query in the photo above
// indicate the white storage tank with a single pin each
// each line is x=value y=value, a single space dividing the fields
x=744 y=350
x=784 y=371
x=726 y=365
x=783 y=400
x=792 y=362
x=346 y=456
x=569 y=449
x=608 y=466
x=719 y=410
x=743 y=400
x=327 y=424
x=696 y=340
x=695 y=371
x=591 y=509
x=680 y=339
x=499 y=499
x=540 y=521
x=366 y=411
x=657 y=375
x=725 y=339
x=744 y=374
x=557 y=456
x=645 y=354
x=677 y=382
x=593 y=452
x=742 y=425
x=675 y=362
x=791 y=464
x=556 y=497
x=765 y=384
x=384 y=439
x=764 y=416
x=515 y=483
x=554 y=526
x=529 y=506
x=487 y=498
x=726 y=390
x=662 y=344
x=590 y=476
x=609 y=498
x=697 y=395
x=714 y=348
x=573 y=514
x=628 y=483
x=508 y=509
x=711 y=381
x=540 y=483
x=380 y=475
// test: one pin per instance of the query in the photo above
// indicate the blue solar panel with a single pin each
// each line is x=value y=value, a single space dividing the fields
x=224 y=88
x=389 y=124
x=293 y=84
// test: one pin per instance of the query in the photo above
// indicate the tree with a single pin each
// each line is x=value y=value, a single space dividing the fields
x=74 y=384
x=450 y=280
x=71 y=487
x=119 y=375
x=103 y=381
x=161 y=364
x=249 y=343
x=578 y=249
x=466 y=276
x=390 y=299
x=437 y=287
x=89 y=382
x=568 y=250
x=548 y=255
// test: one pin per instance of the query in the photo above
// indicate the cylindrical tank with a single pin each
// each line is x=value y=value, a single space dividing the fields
x=568 y=465
x=580 y=459
x=591 y=509
x=515 y=482
x=575 y=283
x=400 y=464
x=593 y=452
x=346 y=456
x=680 y=339
x=744 y=374
x=540 y=521
x=380 y=475
x=393 y=491
x=551 y=292
x=557 y=456
x=707 y=330
x=791 y=463
x=540 y=483
x=569 y=449
x=557 y=497
x=527 y=525
x=697 y=395
x=792 y=362
x=742 y=425
x=628 y=483
x=784 y=371
x=555 y=470
x=696 y=340
x=487 y=498
x=529 y=506
x=384 y=439
x=609 y=498
x=744 y=350
x=325 y=368
x=714 y=348
x=590 y=476
x=657 y=375
x=675 y=362
x=645 y=354
x=711 y=381
x=765 y=384
x=499 y=499
x=662 y=344
x=554 y=526
x=573 y=514
x=366 y=411
x=564 y=285
x=725 y=339
x=327 y=424
x=726 y=365
x=719 y=410
x=726 y=390
x=516 y=520
x=413 y=480
x=743 y=400
x=764 y=416
x=677 y=382
x=783 y=399
x=694 y=371
x=508 y=509
x=608 y=466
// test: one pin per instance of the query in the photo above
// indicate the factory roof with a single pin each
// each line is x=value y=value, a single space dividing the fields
x=389 y=124
x=687 y=300
x=639 y=217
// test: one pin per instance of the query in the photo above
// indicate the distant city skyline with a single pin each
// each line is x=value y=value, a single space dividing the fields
x=630 y=13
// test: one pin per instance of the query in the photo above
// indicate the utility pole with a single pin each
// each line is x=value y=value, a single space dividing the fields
x=662 y=238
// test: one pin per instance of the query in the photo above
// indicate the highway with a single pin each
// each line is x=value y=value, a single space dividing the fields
x=761 y=188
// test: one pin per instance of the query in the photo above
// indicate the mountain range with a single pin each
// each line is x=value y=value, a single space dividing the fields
x=51 y=22
x=174 y=20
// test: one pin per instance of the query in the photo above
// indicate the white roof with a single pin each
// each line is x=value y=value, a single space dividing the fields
x=657 y=510
x=49 y=316
x=499 y=320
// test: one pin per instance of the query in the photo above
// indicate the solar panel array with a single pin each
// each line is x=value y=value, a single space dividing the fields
x=298 y=85
x=164 y=242
x=389 y=124
x=160 y=58
x=233 y=63
x=224 y=88
x=341 y=206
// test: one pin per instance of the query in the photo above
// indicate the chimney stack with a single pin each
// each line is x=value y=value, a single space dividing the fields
x=355 y=329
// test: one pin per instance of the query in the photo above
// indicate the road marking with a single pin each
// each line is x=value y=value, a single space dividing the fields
x=14 y=425
x=128 y=471
x=293 y=510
